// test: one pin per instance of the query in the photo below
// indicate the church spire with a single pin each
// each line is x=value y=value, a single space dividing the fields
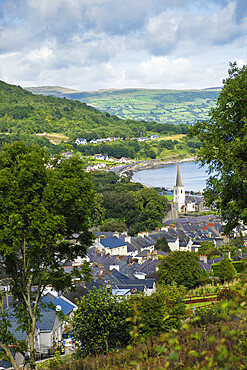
x=178 y=181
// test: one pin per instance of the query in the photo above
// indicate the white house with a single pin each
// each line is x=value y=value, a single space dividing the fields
x=81 y=141
x=114 y=246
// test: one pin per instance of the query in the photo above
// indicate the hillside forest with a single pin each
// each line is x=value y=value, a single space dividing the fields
x=55 y=124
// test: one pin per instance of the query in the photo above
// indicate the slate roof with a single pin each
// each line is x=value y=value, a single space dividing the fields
x=205 y=266
x=142 y=253
x=120 y=275
x=59 y=301
x=19 y=335
x=149 y=283
x=134 y=289
x=131 y=247
x=214 y=260
x=148 y=267
x=140 y=242
x=46 y=321
x=130 y=269
x=112 y=242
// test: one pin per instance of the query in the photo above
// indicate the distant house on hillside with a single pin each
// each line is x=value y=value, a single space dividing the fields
x=141 y=139
x=101 y=157
x=153 y=137
x=81 y=141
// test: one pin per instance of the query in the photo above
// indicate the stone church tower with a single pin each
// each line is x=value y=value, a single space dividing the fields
x=179 y=192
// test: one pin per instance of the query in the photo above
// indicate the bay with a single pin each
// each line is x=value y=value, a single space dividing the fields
x=193 y=177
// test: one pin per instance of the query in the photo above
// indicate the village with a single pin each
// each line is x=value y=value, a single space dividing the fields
x=125 y=265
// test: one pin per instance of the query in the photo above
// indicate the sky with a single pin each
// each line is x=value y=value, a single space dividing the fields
x=89 y=45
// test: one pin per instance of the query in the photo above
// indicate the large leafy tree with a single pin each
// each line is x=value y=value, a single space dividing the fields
x=182 y=268
x=224 y=144
x=152 y=208
x=100 y=322
x=41 y=208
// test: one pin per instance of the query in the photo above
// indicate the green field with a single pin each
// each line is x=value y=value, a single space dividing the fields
x=162 y=106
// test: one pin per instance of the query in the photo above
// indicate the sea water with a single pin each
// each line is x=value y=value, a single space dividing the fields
x=193 y=176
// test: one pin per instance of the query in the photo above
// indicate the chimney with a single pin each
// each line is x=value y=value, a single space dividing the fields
x=203 y=258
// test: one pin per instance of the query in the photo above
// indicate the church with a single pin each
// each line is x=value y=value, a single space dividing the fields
x=185 y=203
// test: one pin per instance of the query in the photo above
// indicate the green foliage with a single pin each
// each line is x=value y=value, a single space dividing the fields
x=224 y=270
x=121 y=205
x=162 y=245
x=24 y=115
x=152 y=207
x=161 y=311
x=100 y=323
x=206 y=246
x=41 y=207
x=98 y=211
x=113 y=224
x=163 y=106
x=181 y=267
x=132 y=205
x=240 y=266
x=224 y=142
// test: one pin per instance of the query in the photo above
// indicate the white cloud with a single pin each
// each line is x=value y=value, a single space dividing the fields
x=39 y=55
x=104 y=43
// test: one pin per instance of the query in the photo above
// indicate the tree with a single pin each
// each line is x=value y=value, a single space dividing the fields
x=113 y=224
x=161 y=311
x=41 y=208
x=225 y=270
x=205 y=246
x=224 y=144
x=152 y=207
x=182 y=268
x=120 y=205
x=100 y=322
x=98 y=211
x=162 y=245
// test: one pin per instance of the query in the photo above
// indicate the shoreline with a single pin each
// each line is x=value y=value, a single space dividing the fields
x=148 y=164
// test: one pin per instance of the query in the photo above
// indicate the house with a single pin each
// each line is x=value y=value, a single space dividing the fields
x=101 y=157
x=141 y=139
x=81 y=141
x=114 y=246
x=153 y=137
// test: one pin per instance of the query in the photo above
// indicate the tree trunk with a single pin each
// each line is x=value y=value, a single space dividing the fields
x=10 y=356
x=32 y=350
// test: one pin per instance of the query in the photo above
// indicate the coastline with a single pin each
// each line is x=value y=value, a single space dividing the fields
x=148 y=164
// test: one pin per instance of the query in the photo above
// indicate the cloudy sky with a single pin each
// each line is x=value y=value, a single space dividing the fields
x=99 y=44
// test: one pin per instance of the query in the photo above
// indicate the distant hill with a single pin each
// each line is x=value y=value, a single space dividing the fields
x=55 y=123
x=162 y=106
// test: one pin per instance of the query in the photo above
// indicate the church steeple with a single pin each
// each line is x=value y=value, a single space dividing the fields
x=178 y=181
x=179 y=192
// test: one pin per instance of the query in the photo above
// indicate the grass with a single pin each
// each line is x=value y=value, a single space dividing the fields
x=164 y=106
x=169 y=197
x=55 y=138
x=189 y=306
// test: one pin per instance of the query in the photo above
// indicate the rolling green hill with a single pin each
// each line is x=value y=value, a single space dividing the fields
x=163 y=106
x=55 y=123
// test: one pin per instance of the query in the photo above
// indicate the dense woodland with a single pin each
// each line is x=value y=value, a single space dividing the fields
x=134 y=208
x=24 y=115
